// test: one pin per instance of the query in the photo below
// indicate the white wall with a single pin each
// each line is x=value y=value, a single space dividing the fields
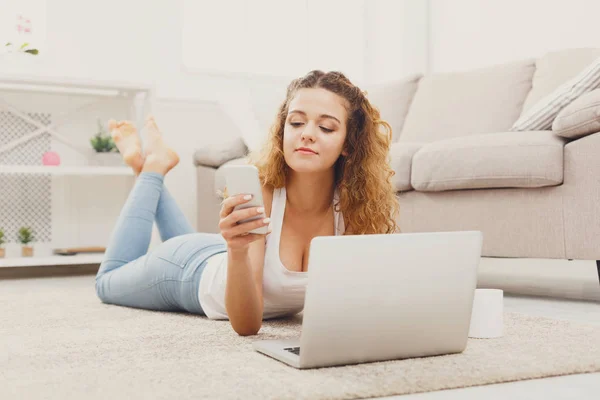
x=274 y=37
x=468 y=34
x=397 y=38
x=122 y=40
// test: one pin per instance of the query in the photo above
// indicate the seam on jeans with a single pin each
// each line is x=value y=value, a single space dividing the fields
x=189 y=257
x=169 y=261
x=118 y=259
x=102 y=273
x=137 y=217
x=150 y=287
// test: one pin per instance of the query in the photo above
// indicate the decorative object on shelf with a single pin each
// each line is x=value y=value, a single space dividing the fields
x=72 y=251
x=102 y=142
x=51 y=158
x=2 y=251
x=10 y=48
x=106 y=152
x=25 y=236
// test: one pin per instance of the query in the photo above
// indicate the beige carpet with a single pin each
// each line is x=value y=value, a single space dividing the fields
x=57 y=341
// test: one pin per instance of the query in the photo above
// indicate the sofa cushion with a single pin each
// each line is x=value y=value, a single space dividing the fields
x=580 y=118
x=493 y=160
x=555 y=68
x=220 y=175
x=401 y=155
x=465 y=103
x=393 y=100
x=217 y=155
x=542 y=114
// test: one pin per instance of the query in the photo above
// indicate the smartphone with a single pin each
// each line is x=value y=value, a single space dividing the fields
x=243 y=179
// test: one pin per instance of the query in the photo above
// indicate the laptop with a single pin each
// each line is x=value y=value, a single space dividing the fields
x=384 y=297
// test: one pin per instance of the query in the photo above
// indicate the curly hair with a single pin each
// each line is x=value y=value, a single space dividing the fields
x=363 y=178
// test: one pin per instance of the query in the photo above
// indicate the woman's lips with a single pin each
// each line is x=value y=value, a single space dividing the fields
x=306 y=151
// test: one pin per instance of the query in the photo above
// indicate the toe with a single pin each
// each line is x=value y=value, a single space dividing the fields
x=152 y=127
x=128 y=128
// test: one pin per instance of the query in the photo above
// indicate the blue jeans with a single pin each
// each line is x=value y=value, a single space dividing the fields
x=168 y=277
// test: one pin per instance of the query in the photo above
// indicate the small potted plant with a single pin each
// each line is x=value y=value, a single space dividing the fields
x=25 y=236
x=2 y=241
x=105 y=150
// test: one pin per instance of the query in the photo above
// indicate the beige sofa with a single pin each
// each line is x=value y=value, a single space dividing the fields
x=458 y=167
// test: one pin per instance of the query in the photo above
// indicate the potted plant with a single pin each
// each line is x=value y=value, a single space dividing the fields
x=2 y=241
x=105 y=150
x=25 y=236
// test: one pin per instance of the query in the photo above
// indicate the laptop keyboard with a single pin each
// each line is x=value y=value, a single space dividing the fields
x=295 y=350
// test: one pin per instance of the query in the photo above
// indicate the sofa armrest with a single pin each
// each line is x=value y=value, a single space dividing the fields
x=208 y=204
x=217 y=155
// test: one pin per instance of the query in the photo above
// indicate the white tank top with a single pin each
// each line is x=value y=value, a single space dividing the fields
x=283 y=290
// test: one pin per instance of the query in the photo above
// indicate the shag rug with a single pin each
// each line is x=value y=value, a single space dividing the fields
x=58 y=341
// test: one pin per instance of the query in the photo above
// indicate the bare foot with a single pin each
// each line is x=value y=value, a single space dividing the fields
x=128 y=142
x=159 y=157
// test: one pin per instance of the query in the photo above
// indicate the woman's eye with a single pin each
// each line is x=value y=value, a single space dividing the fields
x=295 y=123
x=326 y=129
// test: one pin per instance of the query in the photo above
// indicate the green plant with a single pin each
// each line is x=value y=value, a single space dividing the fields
x=102 y=142
x=21 y=49
x=25 y=235
x=2 y=241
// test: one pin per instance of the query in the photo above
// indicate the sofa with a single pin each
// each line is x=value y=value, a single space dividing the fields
x=458 y=165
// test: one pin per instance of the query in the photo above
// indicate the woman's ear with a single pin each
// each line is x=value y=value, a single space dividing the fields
x=344 y=153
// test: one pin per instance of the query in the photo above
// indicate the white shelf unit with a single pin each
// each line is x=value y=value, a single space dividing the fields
x=70 y=178
x=141 y=96
x=65 y=170
x=78 y=259
x=72 y=85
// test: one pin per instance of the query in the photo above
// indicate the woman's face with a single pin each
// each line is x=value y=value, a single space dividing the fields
x=315 y=130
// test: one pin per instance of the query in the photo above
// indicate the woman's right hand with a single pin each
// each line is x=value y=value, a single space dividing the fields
x=237 y=235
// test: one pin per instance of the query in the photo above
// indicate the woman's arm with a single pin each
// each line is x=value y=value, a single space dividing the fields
x=244 y=287
x=243 y=293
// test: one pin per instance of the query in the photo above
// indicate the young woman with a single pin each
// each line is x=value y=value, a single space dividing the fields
x=324 y=171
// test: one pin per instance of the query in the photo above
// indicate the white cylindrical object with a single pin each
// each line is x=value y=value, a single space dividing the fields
x=487 y=317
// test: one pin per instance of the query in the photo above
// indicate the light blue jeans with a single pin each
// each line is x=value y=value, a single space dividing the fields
x=168 y=277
